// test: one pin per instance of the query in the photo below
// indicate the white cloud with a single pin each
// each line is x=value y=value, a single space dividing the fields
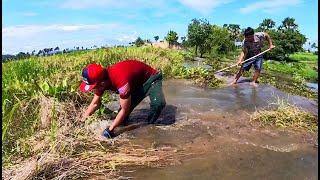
x=272 y=10
x=270 y=6
x=34 y=37
x=204 y=6
x=127 y=37
x=29 y=14
x=28 y=30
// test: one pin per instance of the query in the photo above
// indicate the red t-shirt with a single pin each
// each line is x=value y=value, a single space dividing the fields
x=126 y=76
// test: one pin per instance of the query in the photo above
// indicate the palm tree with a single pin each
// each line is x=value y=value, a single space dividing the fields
x=156 y=38
x=267 y=24
x=289 y=24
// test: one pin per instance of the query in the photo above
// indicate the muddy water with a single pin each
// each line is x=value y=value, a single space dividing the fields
x=191 y=64
x=212 y=127
x=241 y=162
x=313 y=86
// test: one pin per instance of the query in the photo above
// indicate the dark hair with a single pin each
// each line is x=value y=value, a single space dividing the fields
x=248 y=31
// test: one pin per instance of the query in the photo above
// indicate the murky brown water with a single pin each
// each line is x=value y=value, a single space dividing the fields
x=213 y=125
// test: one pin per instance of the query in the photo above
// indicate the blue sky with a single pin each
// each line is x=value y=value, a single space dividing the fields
x=37 y=24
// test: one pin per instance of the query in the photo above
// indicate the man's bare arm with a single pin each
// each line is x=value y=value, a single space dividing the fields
x=94 y=105
x=243 y=52
x=125 y=109
x=268 y=38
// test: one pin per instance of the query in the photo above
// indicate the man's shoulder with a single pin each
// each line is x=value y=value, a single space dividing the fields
x=259 y=34
x=128 y=62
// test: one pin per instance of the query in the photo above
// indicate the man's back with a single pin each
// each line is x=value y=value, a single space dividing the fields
x=128 y=75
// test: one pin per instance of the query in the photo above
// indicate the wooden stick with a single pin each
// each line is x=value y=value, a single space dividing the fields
x=243 y=61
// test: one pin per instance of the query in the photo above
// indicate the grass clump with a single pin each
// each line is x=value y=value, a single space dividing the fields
x=286 y=115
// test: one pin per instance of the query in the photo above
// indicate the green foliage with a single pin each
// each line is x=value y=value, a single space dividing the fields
x=287 y=42
x=198 y=35
x=267 y=24
x=172 y=37
x=314 y=45
x=303 y=56
x=298 y=71
x=139 y=42
x=156 y=38
x=234 y=30
x=202 y=76
x=221 y=40
x=288 y=24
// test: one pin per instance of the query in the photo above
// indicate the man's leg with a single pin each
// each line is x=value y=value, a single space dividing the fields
x=244 y=67
x=257 y=67
x=255 y=77
x=237 y=76
x=157 y=99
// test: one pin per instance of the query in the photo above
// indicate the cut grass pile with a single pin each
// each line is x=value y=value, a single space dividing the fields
x=285 y=115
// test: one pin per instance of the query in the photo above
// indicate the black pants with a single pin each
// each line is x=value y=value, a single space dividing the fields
x=152 y=88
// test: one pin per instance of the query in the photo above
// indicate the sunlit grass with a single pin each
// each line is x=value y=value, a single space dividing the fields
x=304 y=56
x=283 y=114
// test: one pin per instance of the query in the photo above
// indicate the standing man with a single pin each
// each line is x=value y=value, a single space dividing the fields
x=133 y=80
x=252 y=46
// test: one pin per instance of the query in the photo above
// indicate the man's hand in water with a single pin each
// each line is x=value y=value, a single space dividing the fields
x=107 y=133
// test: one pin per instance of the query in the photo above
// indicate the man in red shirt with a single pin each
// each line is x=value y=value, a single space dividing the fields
x=133 y=80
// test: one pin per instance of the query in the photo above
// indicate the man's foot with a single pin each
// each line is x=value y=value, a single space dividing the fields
x=254 y=84
x=233 y=82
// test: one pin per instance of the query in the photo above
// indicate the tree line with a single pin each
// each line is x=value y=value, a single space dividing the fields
x=41 y=52
x=214 y=40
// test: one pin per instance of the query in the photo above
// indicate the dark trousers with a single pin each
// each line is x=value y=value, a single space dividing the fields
x=152 y=88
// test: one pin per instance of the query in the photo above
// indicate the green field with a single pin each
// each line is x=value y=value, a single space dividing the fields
x=296 y=70
x=304 y=56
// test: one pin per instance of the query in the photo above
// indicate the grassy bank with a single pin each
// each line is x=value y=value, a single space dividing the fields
x=296 y=70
